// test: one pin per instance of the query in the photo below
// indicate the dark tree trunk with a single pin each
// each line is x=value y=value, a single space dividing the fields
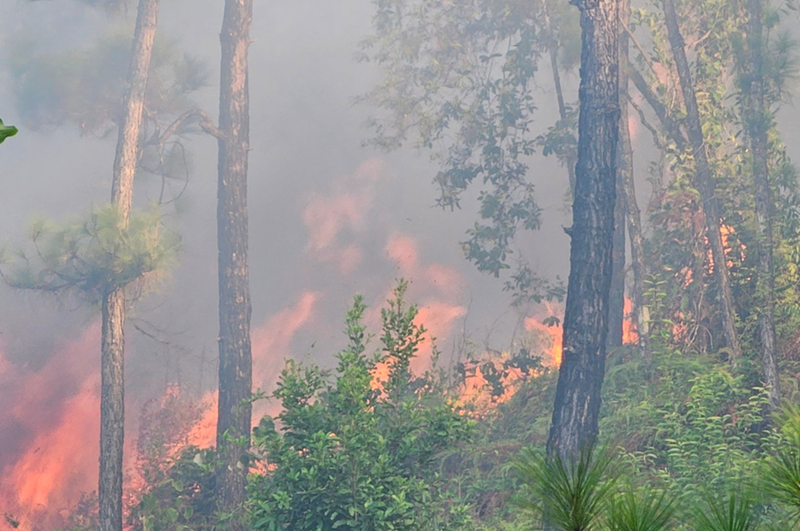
x=704 y=181
x=112 y=403
x=580 y=379
x=235 y=357
x=629 y=191
x=757 y=117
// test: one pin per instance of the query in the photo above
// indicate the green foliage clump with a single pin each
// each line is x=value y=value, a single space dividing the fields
x=642 y=510
x=570 y=494
x=92 y=258
x=782 y=468
x=347 y=453
x=82 y=86
x=735 y=512
x=459 y=83
x=695 y=426
x=179 y=494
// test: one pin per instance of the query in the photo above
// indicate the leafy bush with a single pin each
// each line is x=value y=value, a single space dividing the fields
x=353 y=451
x=179 y=497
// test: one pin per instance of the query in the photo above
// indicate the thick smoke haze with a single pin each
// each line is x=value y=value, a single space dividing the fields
x=328 y=218
x=323 y=208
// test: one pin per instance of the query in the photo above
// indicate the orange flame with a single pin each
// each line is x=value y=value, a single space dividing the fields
x=475 y=395
x=50 y=414
x=552 y=352
x=630 y=334
x=726 y=231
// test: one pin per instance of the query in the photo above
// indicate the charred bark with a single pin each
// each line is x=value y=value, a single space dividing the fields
x=580 y=379
x=616 y=310
x=112 y=401
x=757 y=117
x=235 y=357
x=704 y=182
x=633 y=215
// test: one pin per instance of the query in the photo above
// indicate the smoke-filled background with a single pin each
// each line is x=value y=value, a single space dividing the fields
x=328 y=218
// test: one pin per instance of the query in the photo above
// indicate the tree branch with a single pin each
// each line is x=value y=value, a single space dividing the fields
x=671 y=127
x=205 y=123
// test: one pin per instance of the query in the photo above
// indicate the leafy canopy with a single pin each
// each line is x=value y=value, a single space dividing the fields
x=459 y=82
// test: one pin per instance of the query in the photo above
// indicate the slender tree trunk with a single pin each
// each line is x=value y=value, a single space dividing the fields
x=704 y=181
x=235 y=357
x=562 y=107
x=112 y=411
x=671 y=126
x=634 y=218
x=112 y=403
x=580 y=379
x=758 y=119
x=616 y=298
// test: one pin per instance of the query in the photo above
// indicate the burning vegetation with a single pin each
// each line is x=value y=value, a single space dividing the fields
x=532 y=334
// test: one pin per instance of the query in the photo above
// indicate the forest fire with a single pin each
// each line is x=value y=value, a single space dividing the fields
x=45 y=462
x=59 y=464
x=630 y=335
x=406 y=185
x=549 y=328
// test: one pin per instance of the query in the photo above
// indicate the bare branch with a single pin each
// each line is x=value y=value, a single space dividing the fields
x=205 y=123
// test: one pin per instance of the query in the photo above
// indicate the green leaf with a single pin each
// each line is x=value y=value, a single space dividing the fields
x=7 y=131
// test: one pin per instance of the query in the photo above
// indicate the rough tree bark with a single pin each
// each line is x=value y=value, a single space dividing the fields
x=757 y=119
x=580 y=379
x=235 y=357
x=634 y=218
x=617 y=305
x=112 y=403
x=703 y=180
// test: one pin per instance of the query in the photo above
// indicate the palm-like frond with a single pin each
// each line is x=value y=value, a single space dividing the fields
x=734 y=513
x=569 y=495
x=782 y=474
x=640 y=511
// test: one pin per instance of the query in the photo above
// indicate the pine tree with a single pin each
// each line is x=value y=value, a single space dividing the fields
x=577 y=403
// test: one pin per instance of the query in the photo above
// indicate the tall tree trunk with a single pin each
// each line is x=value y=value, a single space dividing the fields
x=634 y=218
x=562 y=107
x=112 y=402
x=616 y=310
x=704 y=181
x=616 y=297
x=580 y=379
x=758 y=119
x=235 y=357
